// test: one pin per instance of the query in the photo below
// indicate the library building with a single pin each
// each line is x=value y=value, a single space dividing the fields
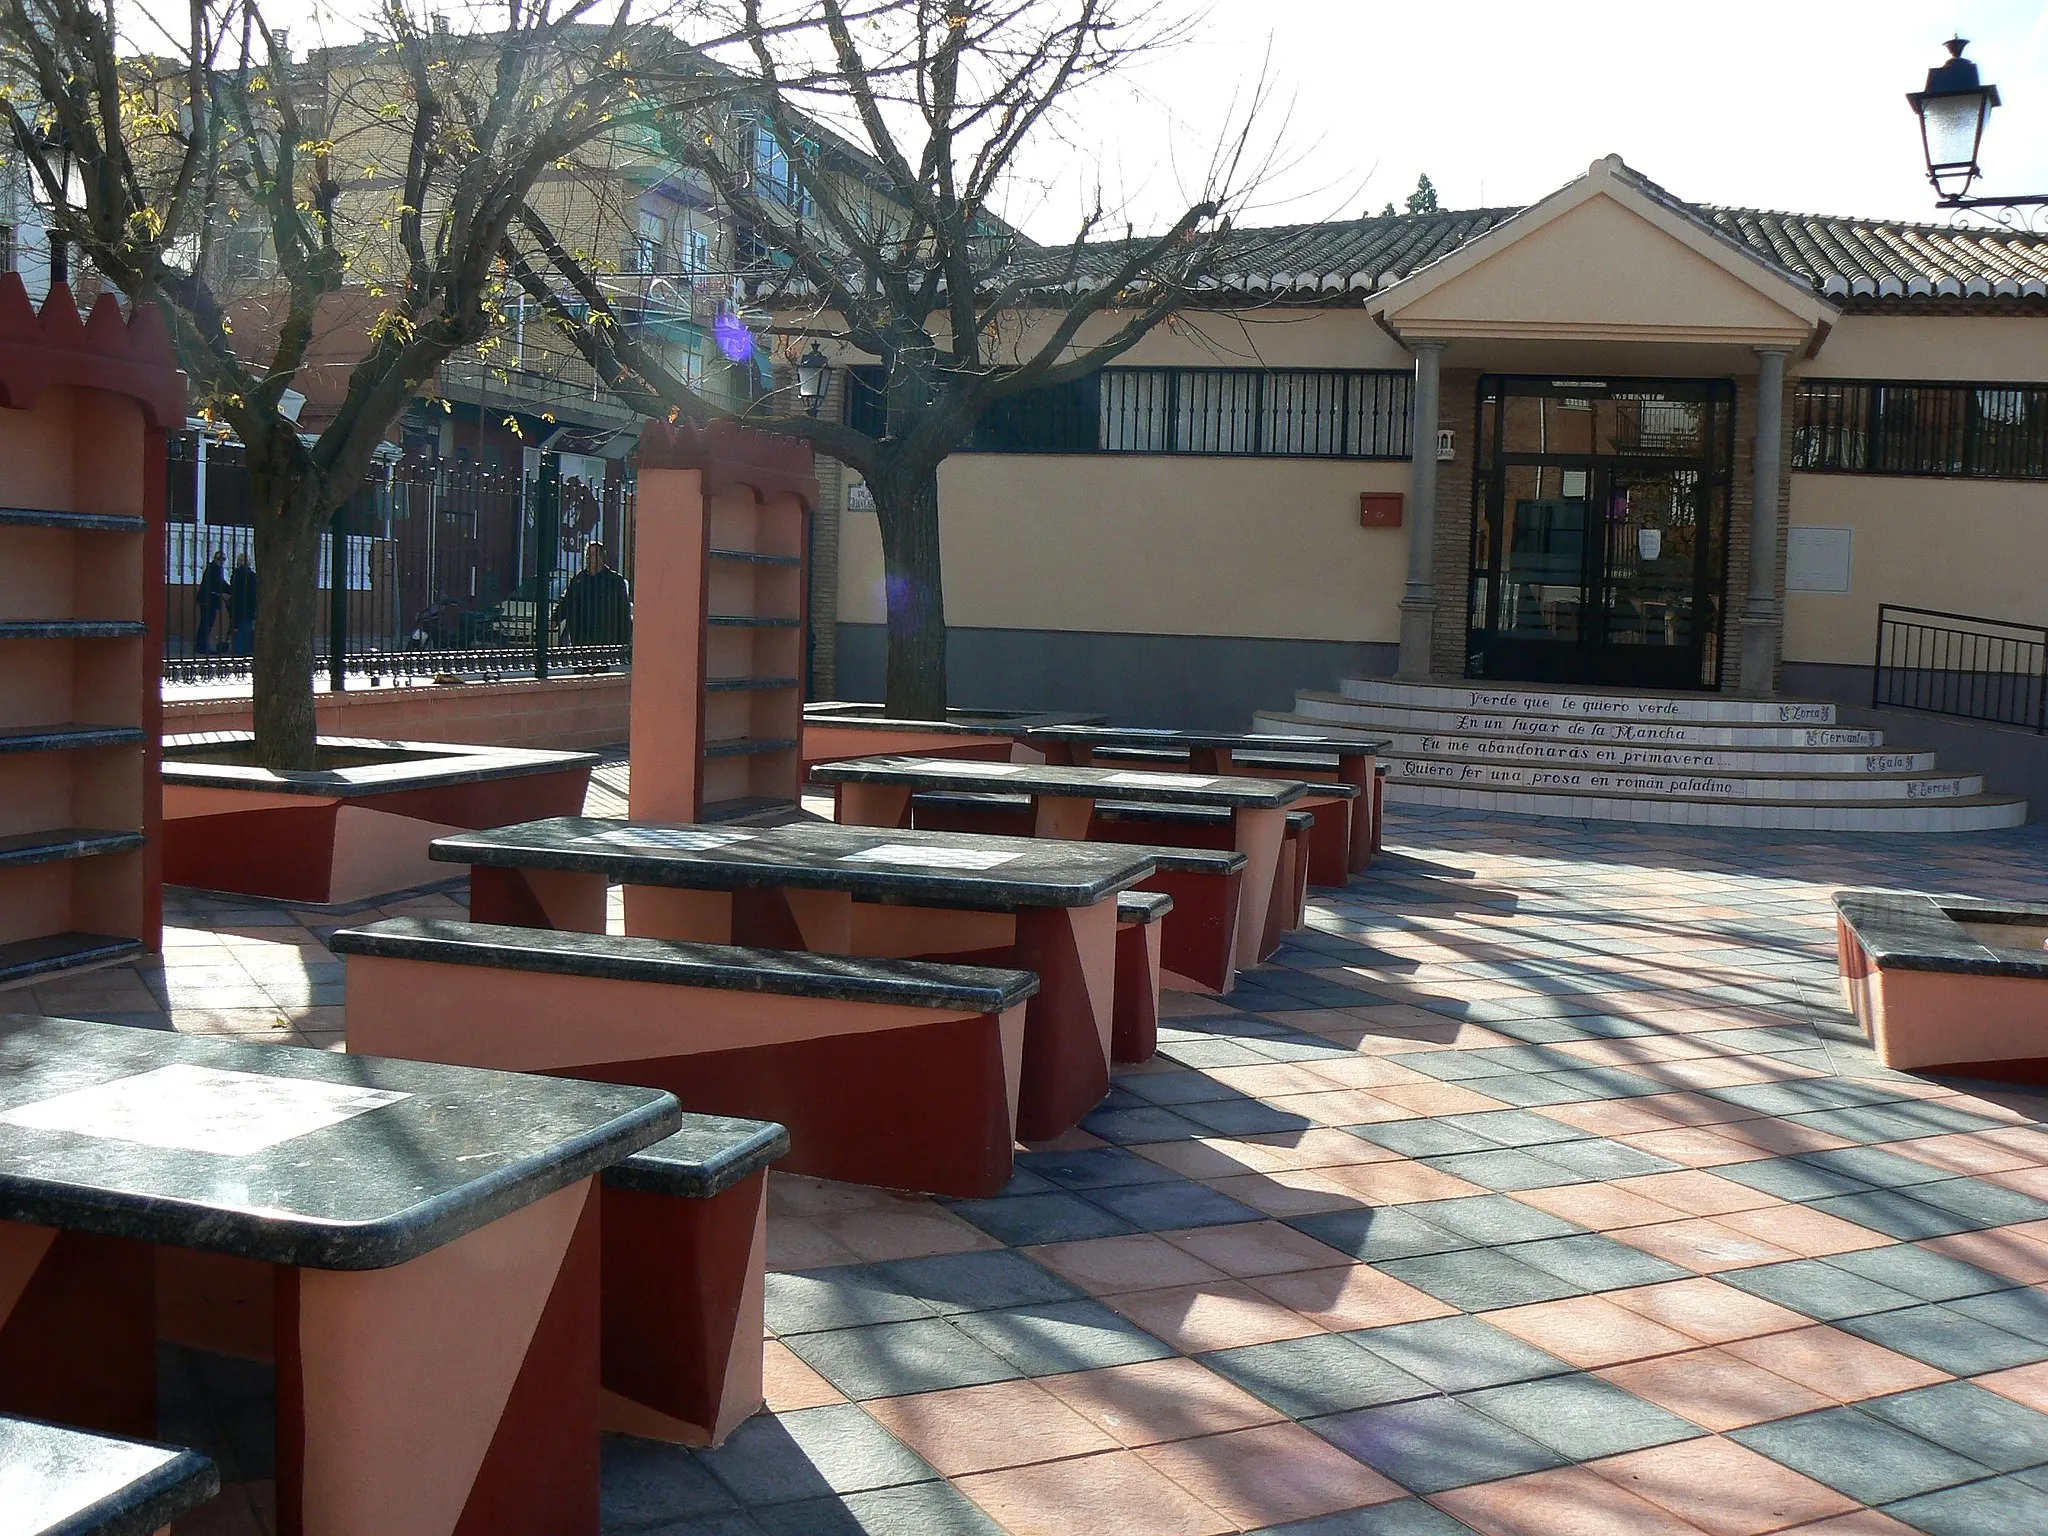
x=1523 y=488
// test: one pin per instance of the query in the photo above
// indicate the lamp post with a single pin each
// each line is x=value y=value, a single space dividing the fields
x=1953 y=110
x=812 y=370
x=55 y=147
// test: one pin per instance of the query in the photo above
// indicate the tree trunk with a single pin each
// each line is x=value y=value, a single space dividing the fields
x=287 y=585
x=907 y=507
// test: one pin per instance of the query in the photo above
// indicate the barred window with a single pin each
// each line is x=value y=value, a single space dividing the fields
x=1981 y=431
x=1315 y=413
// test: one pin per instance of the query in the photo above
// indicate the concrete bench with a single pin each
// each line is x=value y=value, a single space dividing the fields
x=1198 y=936
x=684 y=1227
x=1336 y=804
x=1136 y=822
x=1134 y=1009
x=899 y=1073
x=64 y=1482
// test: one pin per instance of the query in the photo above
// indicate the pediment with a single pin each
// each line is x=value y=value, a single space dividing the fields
x=1603 y=260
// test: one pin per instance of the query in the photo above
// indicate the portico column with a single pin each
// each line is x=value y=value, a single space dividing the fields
x=1418 y=602
x=1762 y=615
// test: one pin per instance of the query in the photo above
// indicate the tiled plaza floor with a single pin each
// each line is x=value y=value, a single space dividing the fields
x=1543 y=1189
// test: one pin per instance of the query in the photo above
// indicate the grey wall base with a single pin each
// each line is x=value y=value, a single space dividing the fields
x=1208 y=682
x=2013 y=761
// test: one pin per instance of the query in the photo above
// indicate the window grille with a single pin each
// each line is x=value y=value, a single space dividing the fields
x=1978 y=431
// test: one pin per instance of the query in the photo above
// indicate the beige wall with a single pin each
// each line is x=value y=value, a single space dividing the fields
x=2012 y=347
x=1976 y=547
x=1154 y=545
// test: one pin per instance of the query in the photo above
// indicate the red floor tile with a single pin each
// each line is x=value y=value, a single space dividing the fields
x=1568 y=1502
x=789 y=1384
x=1599 y=1207
x=1704 y=1246
x=1810 y=1234
x=1217 y=1314
x=1828 y=1360
x=1140 y=1262
x=1715 y=1389
x=980 y=1429
x=1118 y=1491
x=1157 y=1400
x=1723 y=1488
x=1251 y=1248
x=1260 y=1477
x=1696 y=1193
x=1708 y=1310
x=1589 y=1331
x=1352 y=1296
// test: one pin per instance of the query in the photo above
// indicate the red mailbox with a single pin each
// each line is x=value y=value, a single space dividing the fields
x=1379 y=509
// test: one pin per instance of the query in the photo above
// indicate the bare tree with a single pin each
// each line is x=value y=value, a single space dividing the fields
x=867 y=177
x=246 y=194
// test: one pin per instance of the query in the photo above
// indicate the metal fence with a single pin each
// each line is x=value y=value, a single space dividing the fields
x=434 y=569
x=1953 y=664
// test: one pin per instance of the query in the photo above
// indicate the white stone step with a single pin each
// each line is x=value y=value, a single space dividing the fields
x=1625 y=758
x=1314 y=712
x=1976 y=813
x=1580 y=703
x=1774 y=787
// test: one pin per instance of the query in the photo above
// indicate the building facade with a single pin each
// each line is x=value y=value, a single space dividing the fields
x=1611 y=439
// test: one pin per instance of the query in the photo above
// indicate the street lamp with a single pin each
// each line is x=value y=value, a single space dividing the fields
x=54 y=143
x=1953 y=110
x=811 y=372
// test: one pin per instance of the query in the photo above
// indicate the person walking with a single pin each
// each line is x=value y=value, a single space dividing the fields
x=213 y=591
x=597 y=609
x=242 y=608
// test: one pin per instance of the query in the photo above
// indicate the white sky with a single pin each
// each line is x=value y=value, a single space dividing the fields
x=1788 y=104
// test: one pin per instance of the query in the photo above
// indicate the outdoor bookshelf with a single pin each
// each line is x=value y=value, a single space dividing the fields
x=721 y=581
x=84 y=407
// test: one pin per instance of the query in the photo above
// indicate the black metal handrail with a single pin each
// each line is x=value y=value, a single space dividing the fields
x=1960 y=664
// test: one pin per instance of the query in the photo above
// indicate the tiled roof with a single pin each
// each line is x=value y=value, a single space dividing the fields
x=1844 y=259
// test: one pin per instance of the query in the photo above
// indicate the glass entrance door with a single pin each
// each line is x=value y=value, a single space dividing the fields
x=1599 y=544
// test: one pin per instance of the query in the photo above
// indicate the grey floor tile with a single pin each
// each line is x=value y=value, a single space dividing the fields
x=1946 y=1339
x=1170 y=1207
x=812 y=1453
x=1980 y=1202
x=1597 y=1158
x=1097 y=1167
x=1493 y=1219
x=1376 y=1234
x=920 y=1509
x=1435 y=1443
x=1050 y=1338
x=1150 y=1123
x=1506 y=1168
x=1460 y=1354
x=1920 y=1272
x=1894 y=1213
x=1170 y=1088
x=1859 y=1455
x=1243 y=1117
x=2023 y=1311
x=1402 y=1517
x=1321 y=1374
x=1792 y=1178
x=1818 y=1288
x=975 y=1282
x=1050 y=1218
x=1514 y=1127
x=1582 y=1417
x=847 y=1297
x=2000 y=1506
x=1479 y=1279
x=894 y=1359
x=648 y=1485
x=1878 y=1167
x=1425 y=1138
x=2004 y=1435
x=1592 y=1261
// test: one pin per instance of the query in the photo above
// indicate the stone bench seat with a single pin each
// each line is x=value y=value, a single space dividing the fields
x=829 y=1045
x=1122 y=821
x=684 y=1233
x=900 y=1073
x=65 y=1482
x=1197 y=937
x=1134 y=1007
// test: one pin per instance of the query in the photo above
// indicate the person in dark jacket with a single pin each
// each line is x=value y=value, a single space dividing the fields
x=242 y=607
x=213 y=591
x=598 y=607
